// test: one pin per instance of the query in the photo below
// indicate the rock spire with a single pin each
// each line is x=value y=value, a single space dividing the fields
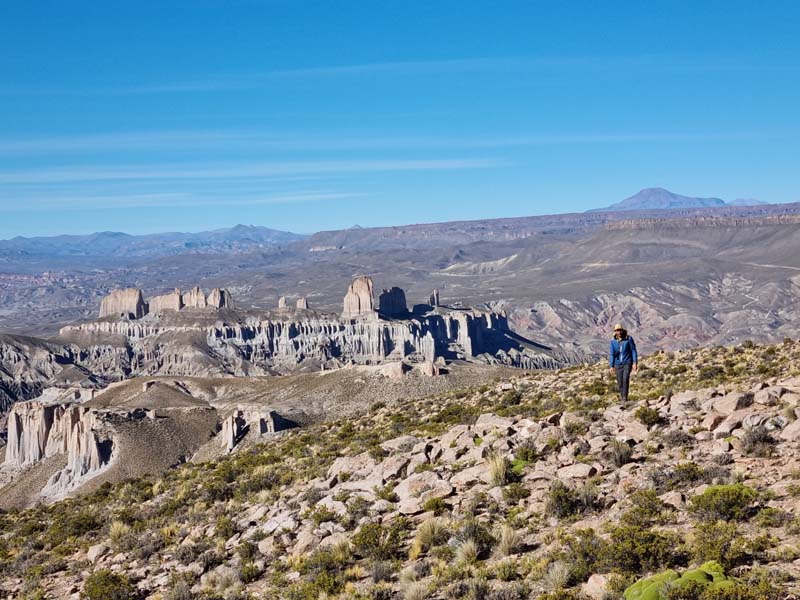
x=360 y=299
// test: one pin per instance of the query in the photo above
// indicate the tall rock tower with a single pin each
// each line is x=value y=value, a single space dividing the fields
x=359 y=299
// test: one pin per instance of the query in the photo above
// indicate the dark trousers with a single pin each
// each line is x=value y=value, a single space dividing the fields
x=623 y=380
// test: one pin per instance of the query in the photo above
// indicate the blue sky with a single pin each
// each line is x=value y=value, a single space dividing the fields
x=153 y=116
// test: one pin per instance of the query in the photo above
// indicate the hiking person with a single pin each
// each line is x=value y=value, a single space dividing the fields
x=622 y=359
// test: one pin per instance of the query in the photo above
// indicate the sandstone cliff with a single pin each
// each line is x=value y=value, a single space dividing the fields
x=171 y=301
x=37 y=431
x=359 y=299
x=124 y=302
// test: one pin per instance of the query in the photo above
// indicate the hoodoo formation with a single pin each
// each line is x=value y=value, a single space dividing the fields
x=67 y=417
x=359 y=299
x=249 y=342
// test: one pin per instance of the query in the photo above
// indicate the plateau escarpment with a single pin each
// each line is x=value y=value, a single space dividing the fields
x=199 y=338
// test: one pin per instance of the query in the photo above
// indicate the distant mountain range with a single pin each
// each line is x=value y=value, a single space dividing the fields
x=113 y=243
x=661 y=199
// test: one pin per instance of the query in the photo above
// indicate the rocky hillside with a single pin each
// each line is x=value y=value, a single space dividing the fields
x=540 y=486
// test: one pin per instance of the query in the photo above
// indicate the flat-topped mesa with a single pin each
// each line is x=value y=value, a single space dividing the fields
x=194 y=298
x=302 y=303
x=392 y=303
x=128 y=302
x=359 y=299
x=219 y=298
x=171 y=301
x=282 y=302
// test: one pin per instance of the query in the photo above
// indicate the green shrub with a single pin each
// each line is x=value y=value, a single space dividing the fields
x=646 y=510
x=435 y=505
x=620 y=453
x=720 y=542
x=758 y=442
x=378 y=542
x=724 y=502
x=647 y=416
x=562 y=501
x=105 y=585
x=514 y=492
x=691 y=585
x=632 y=549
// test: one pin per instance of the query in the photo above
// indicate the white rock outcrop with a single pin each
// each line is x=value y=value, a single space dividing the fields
x=194 y=298
x=37 y=431
x=360 y=299
x=127 y=302
x=171 y=301
x=219 y=298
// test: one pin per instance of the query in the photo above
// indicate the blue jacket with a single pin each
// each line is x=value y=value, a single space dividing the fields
x=622 y=352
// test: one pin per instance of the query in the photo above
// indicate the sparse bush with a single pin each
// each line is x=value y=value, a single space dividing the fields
x=647 y=416
x=684 y=475
x=225 y=528
x=526 y=452
x=506 y=570
x=634 y=549
x=514 y=492
x=677 y=438
x=416 y=591
x=249 y=572
x=381 y=571
x=466 y=553
x=508 y=541
x=105 y=585
x=757 y=441
x=435 y=505
x=718 y=541
x=724 y=502
x=647 y=509
x=709 y=372
x=378 y=542
x=470 y=529
x=562 y=501
x=621 y=453
x=498 y=469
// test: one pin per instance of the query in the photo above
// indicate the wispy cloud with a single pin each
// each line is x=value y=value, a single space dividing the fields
x=234 y=170
x=220 y=82
x=253 y=140
x=167 y=200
